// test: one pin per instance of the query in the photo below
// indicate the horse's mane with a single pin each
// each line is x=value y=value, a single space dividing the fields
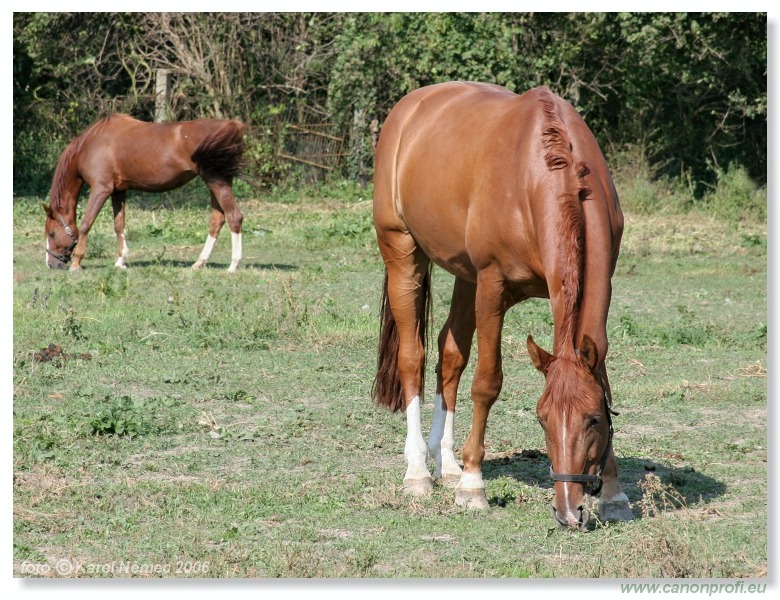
x=65 y=163
x=557 y=143
x=563 y=390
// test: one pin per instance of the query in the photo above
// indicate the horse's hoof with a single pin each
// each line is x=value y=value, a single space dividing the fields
x=418 y=487
x=615 y=511
x=473 y=499
x=197 y=266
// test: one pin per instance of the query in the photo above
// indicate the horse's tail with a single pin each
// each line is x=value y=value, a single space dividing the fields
x=221 y=153
x=387 y=390
x=557 y=143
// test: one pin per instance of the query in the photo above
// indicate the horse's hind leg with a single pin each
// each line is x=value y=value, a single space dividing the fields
x=407 y=283
x=454 y=348
x=118 y=204
x=222 y=192
x=215 y=225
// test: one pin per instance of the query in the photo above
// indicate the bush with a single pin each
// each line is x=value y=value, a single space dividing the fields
x=736 y=197
x=640 y=192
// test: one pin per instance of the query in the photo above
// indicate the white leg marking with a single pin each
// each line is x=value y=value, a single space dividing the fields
x=208 y=248
x=619 y=497
x=120 y=262
x=414 y=449
x=441 y=442
x=471 y=481
x=235 y=238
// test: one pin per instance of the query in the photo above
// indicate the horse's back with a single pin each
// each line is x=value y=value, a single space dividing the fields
x=127 y=153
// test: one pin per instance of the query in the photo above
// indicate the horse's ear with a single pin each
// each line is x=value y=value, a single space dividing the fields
x=539 y=357
x=589 y=354
x=47 y=209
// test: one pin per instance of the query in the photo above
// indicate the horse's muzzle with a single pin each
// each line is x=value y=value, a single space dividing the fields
x=578 y=519
x=57 y=261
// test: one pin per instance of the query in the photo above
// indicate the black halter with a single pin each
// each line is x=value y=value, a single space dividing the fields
x=594 y=480
x=66 y=254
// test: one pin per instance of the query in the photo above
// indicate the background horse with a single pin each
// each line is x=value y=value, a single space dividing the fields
x=119 y=153
x=510 y=194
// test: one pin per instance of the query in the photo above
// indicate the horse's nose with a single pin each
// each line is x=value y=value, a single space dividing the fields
x=578 y=519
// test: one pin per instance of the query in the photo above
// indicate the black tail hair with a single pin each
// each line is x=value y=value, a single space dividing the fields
x=387 y=390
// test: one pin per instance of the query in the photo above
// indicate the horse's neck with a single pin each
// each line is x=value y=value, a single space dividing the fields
x=70 y=185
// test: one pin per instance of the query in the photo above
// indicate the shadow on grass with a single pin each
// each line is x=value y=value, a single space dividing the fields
x=533 y=468
x=213 y=266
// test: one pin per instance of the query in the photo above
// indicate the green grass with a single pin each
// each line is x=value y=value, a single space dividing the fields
x=220 y=425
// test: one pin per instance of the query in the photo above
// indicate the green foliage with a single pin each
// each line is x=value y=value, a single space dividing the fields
x=689 y=89
x=736 y=197
x=123 y=417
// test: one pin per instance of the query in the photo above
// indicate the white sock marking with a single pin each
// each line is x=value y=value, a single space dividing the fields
x=120 y=262
x=619 y=497
x=414 y=449
x=471 y=481
x=235 y=238
x=208 y=248
x=441 y=442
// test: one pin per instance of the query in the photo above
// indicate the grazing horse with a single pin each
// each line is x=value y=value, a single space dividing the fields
x=511 y=194
x=120 y=153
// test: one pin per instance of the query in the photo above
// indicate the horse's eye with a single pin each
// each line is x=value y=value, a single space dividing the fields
x=51 y=234
x=593 y=422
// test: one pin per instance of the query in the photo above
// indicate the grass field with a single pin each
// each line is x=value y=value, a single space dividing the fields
x=203 y=424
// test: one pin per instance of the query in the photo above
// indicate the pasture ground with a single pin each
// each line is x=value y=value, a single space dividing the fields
x=220 y=425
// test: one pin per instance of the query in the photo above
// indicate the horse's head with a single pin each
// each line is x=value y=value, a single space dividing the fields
x=61 y=239
x=575 y=416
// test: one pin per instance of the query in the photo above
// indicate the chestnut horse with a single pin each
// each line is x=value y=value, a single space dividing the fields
x=119 y=153
x=511 y=194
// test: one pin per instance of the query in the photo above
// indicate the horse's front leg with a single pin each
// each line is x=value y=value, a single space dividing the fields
x=485 y=387
x=613 y=502
x=118 y=205
x=97 y=197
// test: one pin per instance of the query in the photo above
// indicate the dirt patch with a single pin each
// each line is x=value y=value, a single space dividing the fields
x=54 y=353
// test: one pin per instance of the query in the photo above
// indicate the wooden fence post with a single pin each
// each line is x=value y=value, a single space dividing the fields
x=162 y=96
